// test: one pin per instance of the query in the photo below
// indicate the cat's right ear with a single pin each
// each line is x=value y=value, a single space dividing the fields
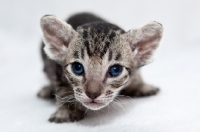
x=57 y=36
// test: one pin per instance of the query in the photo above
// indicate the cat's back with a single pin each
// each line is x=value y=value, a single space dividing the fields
x=83 y=18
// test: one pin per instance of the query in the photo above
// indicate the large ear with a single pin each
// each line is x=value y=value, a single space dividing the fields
x=144 y=41
x=57 y=36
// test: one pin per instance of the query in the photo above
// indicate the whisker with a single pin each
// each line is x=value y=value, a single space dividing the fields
x=113 y=105
x=61 y=105
x=125 y=96
x=85 y=112
x=119 y=104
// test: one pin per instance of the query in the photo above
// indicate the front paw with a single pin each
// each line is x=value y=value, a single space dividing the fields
x=147 y=90
x=64 y=115
x=46 y=92
x=141 y=91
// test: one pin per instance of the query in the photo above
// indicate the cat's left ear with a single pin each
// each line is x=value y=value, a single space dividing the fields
x=57 y=36
x=144 y=42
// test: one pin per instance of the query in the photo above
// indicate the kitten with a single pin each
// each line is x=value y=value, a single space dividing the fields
x=90 y=61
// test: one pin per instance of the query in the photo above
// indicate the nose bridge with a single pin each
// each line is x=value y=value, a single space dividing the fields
x=94 y=85
x=93 y=88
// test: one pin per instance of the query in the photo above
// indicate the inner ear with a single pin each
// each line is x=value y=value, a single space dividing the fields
x=144 y=42
x=57 y=36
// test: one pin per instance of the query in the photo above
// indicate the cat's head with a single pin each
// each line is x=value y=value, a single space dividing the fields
x=99 y=59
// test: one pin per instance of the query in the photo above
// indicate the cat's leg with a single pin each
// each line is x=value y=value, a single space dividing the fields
x=46 y=92
x=138 y=88
x=140 y=91
x=68 y=112
x=69 y=109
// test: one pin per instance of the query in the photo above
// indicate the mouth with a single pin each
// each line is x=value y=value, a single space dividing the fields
x=94 y=105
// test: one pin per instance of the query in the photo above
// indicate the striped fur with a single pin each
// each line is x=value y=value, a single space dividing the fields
x=97 y=45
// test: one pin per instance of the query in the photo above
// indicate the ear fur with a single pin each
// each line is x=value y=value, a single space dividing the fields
x=57 y=36
x=144 y=41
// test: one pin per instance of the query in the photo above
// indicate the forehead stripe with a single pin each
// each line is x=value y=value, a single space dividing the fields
x=76 y=55
x=106 y=46
x=82 y=53
x=110 y=55
x=118 y=56
x=87 y=45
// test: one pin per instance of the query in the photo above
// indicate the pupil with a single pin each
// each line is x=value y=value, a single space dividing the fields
x=116 y=69
x=78 y=67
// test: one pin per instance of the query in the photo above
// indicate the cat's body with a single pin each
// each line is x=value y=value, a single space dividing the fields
x=93 y=61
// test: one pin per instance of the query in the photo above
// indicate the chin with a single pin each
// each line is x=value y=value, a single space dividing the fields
x=94 y=105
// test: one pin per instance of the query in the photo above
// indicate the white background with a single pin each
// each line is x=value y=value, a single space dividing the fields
x=175 y=70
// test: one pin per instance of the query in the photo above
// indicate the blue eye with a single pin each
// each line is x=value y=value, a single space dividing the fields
x=115 y=71
x=77 y=68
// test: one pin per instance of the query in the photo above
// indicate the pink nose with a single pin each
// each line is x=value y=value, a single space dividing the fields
x=93 y=95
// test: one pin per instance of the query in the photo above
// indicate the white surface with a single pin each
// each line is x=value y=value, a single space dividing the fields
x=176 y=68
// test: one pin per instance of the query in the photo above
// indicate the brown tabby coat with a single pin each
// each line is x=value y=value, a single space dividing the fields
x=97 y=45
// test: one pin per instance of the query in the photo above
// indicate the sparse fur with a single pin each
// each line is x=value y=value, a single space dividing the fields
x=97 y=45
